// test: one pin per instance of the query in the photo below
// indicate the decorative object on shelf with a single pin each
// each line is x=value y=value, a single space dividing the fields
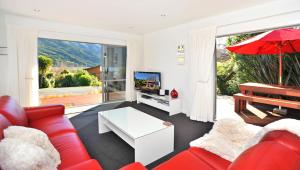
x=161 y=92
x=174 y=94
x=180 y=54
x=167 y=92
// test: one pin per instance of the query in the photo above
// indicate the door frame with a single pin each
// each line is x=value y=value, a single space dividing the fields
x=105 y=93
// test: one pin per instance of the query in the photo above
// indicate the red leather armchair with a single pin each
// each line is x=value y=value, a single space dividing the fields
x=51 y=120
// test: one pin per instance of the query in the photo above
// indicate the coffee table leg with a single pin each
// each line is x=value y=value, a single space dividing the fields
x=151 y=147
x=102 y=127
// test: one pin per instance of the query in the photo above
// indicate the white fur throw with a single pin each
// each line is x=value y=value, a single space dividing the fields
x=229 y=138
x=36 y=138
x=18 y=155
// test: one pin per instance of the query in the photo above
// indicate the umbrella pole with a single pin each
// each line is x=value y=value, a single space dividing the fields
x=280 y=110
x=280 y=68
x=280 y=71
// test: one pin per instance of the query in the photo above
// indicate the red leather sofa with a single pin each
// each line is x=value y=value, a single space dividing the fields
x=51 y=120
x=278 y=150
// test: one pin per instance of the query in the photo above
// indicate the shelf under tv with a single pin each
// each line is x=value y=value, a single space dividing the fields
x=166 y=103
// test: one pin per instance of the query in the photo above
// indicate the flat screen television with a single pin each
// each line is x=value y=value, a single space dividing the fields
x=147 y=81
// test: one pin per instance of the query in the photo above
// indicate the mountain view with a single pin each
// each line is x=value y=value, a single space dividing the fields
x=70 y=53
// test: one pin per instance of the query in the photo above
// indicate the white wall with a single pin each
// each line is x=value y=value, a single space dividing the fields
x=2 y=30
x=160 y=47
x=49 y=29
x=157 y=50
x=3 y=58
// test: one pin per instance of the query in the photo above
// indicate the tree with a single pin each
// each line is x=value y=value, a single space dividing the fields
x=46 y=78
x=45 y=64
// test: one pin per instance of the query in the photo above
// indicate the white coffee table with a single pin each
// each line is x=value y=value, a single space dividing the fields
x=149 y=136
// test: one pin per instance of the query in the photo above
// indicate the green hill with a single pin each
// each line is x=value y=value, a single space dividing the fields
x=75 y=54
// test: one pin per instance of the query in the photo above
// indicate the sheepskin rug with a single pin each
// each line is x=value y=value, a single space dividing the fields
x=31 y=143
x=16 y=154
x=226 y=139
x=229 y=137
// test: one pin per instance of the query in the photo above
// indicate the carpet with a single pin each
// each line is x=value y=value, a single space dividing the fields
x=112 y=152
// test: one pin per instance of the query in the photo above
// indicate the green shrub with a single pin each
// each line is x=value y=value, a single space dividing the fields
x=84 y=80
x=79 y=73
x=227 y=80
x=78 y=78
x=50 y=75
x=95 y=81
x=64 y=80
x=65 y=72
x=43 y=81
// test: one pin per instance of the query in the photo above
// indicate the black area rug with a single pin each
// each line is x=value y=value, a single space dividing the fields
x=112 y=152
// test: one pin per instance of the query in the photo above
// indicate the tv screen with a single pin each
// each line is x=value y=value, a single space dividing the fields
x=148 y=81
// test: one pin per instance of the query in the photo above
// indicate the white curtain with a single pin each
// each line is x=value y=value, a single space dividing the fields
x=23 y=65
x=201 y=74
x=133 y=63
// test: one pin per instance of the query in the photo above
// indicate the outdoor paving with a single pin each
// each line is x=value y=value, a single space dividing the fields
x=45 y=92
x=81 y=100
x=73 y=100
x=225 y=108
x=257 y=114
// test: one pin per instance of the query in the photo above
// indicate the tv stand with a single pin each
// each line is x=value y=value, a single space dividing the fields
x=166 y=103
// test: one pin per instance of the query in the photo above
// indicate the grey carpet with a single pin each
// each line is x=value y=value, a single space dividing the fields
x=112 y=152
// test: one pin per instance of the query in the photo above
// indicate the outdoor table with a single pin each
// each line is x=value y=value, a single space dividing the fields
x=250 y=88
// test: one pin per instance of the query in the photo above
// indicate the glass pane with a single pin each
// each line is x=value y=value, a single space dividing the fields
x=116 y=63
x=114 y=73
x=69 y=72
x=115 y=90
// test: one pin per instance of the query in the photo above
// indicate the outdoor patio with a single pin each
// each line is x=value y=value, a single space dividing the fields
x=225 y=108
x=72 y=97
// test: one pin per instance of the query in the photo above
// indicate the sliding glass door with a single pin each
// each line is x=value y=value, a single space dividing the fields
x=114 y=73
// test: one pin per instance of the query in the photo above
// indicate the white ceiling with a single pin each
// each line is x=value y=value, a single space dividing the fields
x=132 y=16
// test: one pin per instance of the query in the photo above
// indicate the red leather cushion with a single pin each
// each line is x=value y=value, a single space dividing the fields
x=86 y=165
x=133 y=166
x=70 y=148
x=53 y=125
x=40 y=112
x=286 y=138
x=214 y=160
x=184 y=160
x=4 y=123
x=13 y=111
x=267 y=156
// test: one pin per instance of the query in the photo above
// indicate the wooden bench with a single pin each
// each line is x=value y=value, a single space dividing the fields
x=240 y=102
x=249 y=93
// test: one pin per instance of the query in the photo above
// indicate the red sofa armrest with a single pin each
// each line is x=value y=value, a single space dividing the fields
x=133 y=166
x=89 y=164
x=39 y=112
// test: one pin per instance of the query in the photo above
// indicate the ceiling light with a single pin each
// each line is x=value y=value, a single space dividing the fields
x=36 y=10
x=163 y=15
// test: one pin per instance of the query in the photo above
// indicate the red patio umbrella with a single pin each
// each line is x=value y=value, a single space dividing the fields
x=278 y=41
